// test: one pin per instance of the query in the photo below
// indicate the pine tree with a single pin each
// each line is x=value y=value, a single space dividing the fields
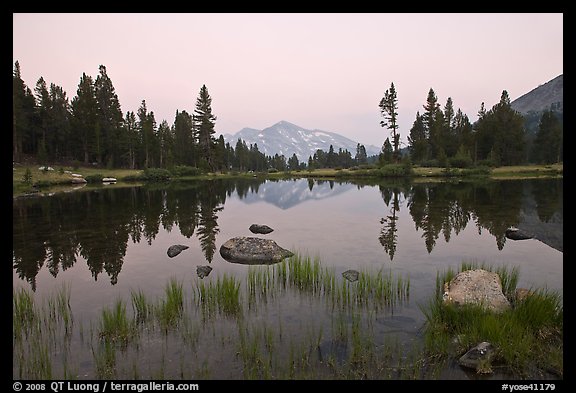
x=310 y=164
x=330 y=158
x=548 y=143
x=447 y=138
x=463 y=132
x=220 y=154
x=242 y=159
x=165 y=143
x=23 y=113
x=110 y=116
x=84 y=117
x=204 y=122
x=481 y=137
x=433 y=122
x=147 y=129
x=131 y=140
x=387 y=154
x=293 y=163
x=501 y=135
x=417 y=140
x=388 y=108
x=42 y=109
x=361 y=155
x=184 y=139
x=59 y=123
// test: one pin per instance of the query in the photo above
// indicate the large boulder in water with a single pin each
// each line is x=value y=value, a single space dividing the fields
x=261 y=229
x=253 y=250
x=479 y=287
x=175 y=250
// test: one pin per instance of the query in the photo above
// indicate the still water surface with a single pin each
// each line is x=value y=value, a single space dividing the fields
x=105 y=243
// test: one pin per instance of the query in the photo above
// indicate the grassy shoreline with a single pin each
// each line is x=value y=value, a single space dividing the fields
x=59 y=180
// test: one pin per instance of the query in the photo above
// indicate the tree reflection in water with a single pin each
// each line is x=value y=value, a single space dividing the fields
x=98 y=224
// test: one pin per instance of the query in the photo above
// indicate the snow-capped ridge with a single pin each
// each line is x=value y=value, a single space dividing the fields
x=288 y=139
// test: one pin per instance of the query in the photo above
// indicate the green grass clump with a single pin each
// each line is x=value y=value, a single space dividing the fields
x=170 y=309
x=222 y=296
x=142 y=309
x=59 y=308
x=305 y=273
x=23 y=312
x=115 y=325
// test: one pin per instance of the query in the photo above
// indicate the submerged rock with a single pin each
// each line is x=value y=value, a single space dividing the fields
x=479 y=358
x=351 y=275
x=261 y=229
x=336 y=350
x=175 y=250
x=253 y=250
x=479 y=287
x=203 y=271
x=517 y=234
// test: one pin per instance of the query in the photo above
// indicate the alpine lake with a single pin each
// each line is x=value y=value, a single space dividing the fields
x=91 y=270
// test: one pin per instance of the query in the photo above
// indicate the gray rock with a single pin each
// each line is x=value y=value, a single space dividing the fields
x=203 y=271
x=479 y=358
x=479 y=287
x=175 y=250
x=253 y=250
x=517 y=234
x=261 y=229
x=351 y=275
x=78 y=180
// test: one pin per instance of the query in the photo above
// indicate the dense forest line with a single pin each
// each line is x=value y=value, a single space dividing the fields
x=92 y=129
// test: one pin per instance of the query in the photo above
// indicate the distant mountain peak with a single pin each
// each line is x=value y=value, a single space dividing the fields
x=542 y=97
x=285 y=138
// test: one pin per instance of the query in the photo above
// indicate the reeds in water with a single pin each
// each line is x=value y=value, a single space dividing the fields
x=170 y=309
x=115 y=325
x=142 y=309
x=222 y=296
x=23 y=312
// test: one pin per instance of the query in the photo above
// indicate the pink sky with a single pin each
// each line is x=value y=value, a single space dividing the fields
x=319 y=71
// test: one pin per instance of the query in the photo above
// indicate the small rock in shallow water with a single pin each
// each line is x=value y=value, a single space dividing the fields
x=175 y=250
x=203 y=271
x=517 y=234
x=351 y=275
x=478 y=358
x=261 y=229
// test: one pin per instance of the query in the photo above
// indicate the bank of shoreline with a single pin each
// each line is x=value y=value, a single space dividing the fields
x=48 y=182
